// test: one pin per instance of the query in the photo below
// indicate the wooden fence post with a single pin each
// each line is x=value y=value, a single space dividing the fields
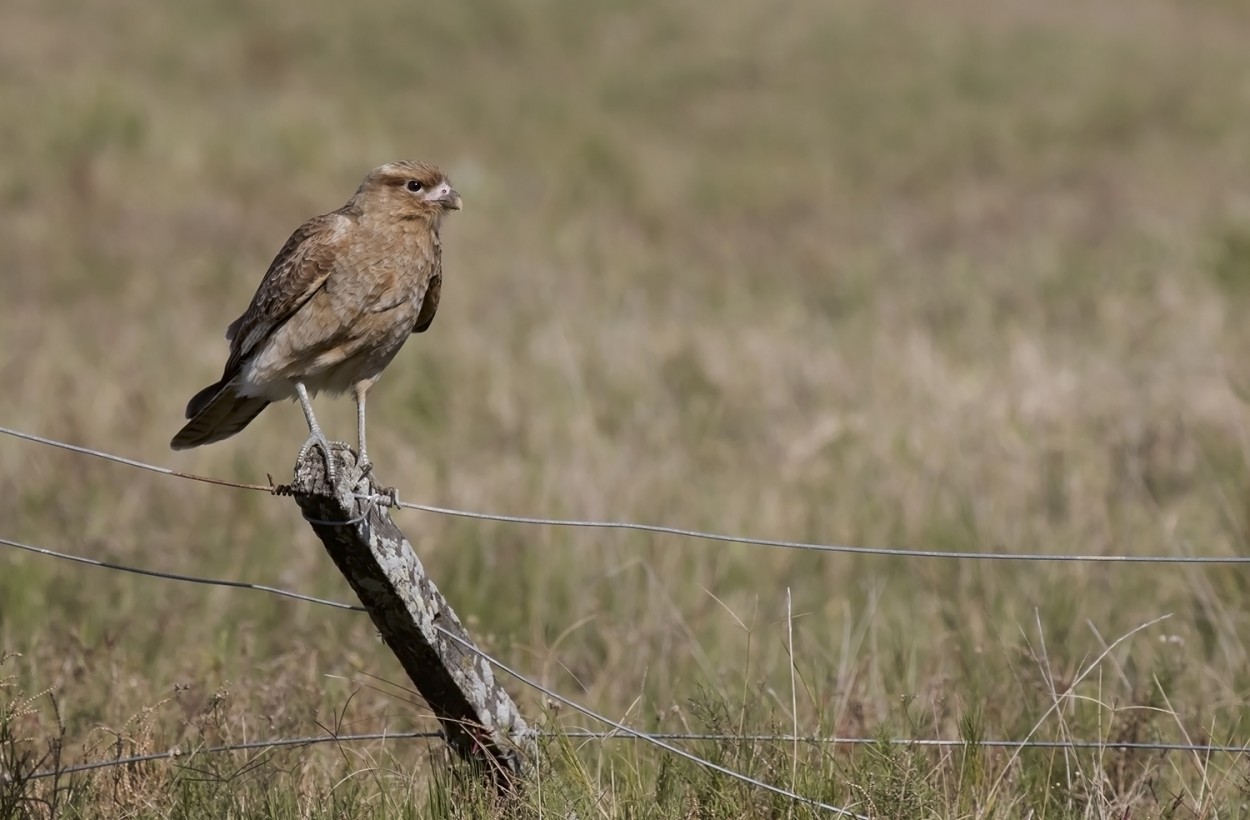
x=479 y=720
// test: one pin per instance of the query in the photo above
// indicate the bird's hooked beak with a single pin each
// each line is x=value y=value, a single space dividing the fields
x=446 y=196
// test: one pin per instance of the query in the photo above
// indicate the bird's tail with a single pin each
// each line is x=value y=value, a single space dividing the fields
x=216 y=412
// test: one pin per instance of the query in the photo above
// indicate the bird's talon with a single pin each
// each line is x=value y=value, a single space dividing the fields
x=318 y=439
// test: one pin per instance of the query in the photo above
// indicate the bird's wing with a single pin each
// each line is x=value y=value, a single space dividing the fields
x=298 y=271
x=429 y=304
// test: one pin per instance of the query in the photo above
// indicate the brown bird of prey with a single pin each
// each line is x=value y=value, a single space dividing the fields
x=335 y=306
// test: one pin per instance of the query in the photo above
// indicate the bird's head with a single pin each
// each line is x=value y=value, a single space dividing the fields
x=407 y=190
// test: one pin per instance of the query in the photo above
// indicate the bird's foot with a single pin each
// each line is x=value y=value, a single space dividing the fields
x=318 y=439
x=360 y=475
x=387 y=496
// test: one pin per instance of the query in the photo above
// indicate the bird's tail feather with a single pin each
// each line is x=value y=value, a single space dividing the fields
x=217 y=412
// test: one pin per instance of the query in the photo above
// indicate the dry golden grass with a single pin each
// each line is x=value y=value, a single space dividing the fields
x=959 y=277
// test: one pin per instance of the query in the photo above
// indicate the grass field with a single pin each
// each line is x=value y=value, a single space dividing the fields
x=961 y=276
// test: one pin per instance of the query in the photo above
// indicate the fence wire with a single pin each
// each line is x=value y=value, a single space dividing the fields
x=681 y=532
x=172 y=576
x=625 y=733
x=178 y=753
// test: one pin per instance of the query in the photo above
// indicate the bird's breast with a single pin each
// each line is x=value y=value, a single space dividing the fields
x=354 y=325
x=382 y=275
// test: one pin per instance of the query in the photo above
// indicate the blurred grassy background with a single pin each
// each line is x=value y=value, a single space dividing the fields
x=965 y=276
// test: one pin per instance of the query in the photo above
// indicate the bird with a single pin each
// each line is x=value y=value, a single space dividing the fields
x=337 y=303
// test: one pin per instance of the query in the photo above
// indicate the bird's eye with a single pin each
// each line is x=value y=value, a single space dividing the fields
x=413 y=185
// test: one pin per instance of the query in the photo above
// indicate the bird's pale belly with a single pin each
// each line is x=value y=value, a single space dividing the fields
x=328 y=359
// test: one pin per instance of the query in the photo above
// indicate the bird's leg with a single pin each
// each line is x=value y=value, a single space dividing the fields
x=361 y=390
x=315 y=436
x=362 y=461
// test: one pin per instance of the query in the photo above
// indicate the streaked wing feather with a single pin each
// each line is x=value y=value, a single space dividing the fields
x=298 y=271
x=429 y=304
